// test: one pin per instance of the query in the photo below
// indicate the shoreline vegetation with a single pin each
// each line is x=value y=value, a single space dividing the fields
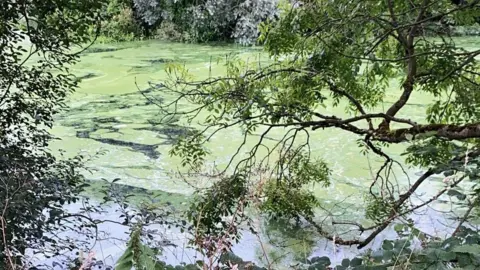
x=185 y=21
x=204 y=22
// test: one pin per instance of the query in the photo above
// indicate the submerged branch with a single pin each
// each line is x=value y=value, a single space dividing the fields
x=395 y=212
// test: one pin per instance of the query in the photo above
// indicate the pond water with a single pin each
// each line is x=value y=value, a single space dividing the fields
x=108 y=114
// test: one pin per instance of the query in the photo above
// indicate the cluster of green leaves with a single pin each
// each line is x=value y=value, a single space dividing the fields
x=192 y=151
x=324 y=263
x=141 y=257
x=378 y=208
x=286 y=196
x=285 y=202
x=204 y=21
x=223 y=199
x=460 y=252
x=435 y=152
x=137 y=255
x=118 y=23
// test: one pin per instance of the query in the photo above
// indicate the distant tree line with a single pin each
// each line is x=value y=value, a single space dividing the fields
x=187 y=20
x=212 y=20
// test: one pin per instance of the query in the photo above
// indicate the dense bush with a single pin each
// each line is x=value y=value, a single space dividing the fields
x=235 y=20
x=210 y=20
x=36 y=43
x=201 y=21
x=119 y=23
x=172 y=32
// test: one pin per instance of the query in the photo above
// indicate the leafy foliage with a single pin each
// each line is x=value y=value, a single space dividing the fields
x=209 y=20
x=36 y=43
x=459 y=252
x=230 y=19
x=149 y=11
x=223 y=200
x=378 y=208
x=218 y=20
x=286 y=196
x=193 y=145
x=118 y=21
x=137 y=255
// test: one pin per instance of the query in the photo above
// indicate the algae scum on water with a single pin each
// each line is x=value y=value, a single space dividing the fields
x=115 y=112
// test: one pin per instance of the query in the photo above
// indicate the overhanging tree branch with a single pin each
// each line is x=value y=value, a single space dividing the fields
x=445 y=131
x=358 y=66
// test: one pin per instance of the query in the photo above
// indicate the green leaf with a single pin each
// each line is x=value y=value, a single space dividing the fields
x=419 y=234
x=448 y=173
x=464 y=260
x=320 y=260
x=387 y=245
x=399 y=227
x=126 y=260
x=387 y=255
x=116 y=180
x=470 y=267
x=377 y=267
x=448 y=256
x=137 y=255
x=356 y=261
x=456 y=193
x=435 y=254
x=471 y=249
x=437 y=266
x=401 y=244
x=345 y=262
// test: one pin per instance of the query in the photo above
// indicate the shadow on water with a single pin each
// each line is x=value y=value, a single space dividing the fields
x=147 y=149
x=87 y=76
x=170 y=133
x=153 y=65
x=158 y=61
x=135 y=195
x=113 y=113
x=144 y=167
x=102 y=49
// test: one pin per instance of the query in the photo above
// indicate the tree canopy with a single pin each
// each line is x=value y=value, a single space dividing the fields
x=190 y=21
x=339 y=53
